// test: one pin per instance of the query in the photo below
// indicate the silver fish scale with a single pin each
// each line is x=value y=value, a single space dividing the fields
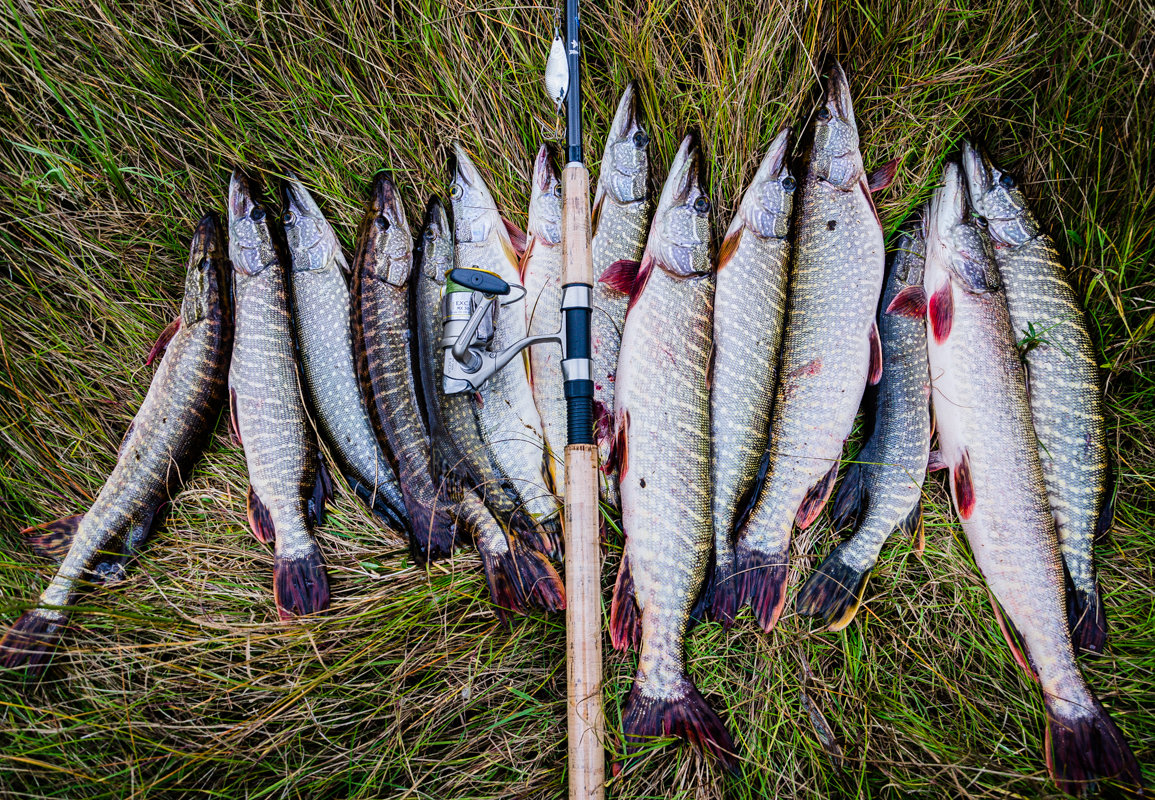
x=542 y=277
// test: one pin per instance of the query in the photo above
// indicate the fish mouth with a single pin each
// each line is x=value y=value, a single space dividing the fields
x=242 y=194
x=206 y=240
x=297 y=199
x=685 y=170
x=977 y=169
x=544 y=174
x=626 y=120
x=776 y=153
x=948 y=204
x=838 y=94
x=461 y=167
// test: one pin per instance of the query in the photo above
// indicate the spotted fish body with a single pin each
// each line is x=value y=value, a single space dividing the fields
x=157 y=454
x=662 y=432
x=830 y=350
x=287 y=488
x=517 y=575
x=322 y=316
x=749 y=310
x=621 y=215
x=988 y=443
x=882 y=490
x=382 y=267
x=541 y=275
x=510 y=422
x=1063 y=379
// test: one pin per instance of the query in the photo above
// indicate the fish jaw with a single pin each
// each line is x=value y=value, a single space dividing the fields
x=682 y=219
x=475 y=212
x=625 y=160
x=205 y=277
x=312 y=242
x=997 y=199
x=384 y=235
x=251 y=247
x=545 y=200
x=769 y=201
x=835 y=157
x=435 y=247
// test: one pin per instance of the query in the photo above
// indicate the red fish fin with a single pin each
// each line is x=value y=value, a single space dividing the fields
x=523 y=261
x=882 y=177
x=833 y=591
x=1086 y=616
x=640 y=282
x=910 y=302
x=1014 y=640
x=619 y=449
x=300 y=585
x=935 y=462
x=815 y=499
x=625 y=619
x=763 y=581
x=724 y=603
x=728 y=248
x=234 y=425
x=874 y=374
x=621 y=275
x=941 y=312
x=162 y=341
x=912 y=525
x=851 y=498
x=517 y=237
x=322 y=492
x=1084 y=747
x=964 y=488
x=260 y=521
x=865 y=188
x=52 y=539
x=746 y=504
x=684 y=714
x=31 y=641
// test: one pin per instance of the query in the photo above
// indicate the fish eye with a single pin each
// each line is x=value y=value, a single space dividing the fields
x=823 y=114
x=455 y=191
x=289 y=219
x=382 y=223
x=702 y=204
x=1007 y=181
x=789 y=184
x=981 y=222
x=429 y=234
x=557 y=190
x=257 y=214
x=641 y=139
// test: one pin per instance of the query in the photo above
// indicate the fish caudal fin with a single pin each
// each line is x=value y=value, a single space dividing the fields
x=724 y=604
x=1088 y=619
x=432 y=535
x=1084 y=748
x=538 y=581
x=763 y=582
x=547 y=538
x=685 y=715
x=31 y=641
x=625 y=619
x=300 y=585
x=52 y=539
x=833 y=591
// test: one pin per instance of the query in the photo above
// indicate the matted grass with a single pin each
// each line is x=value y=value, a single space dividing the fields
x=120 y=124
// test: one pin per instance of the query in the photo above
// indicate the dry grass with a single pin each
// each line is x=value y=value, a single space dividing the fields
x=119 y=125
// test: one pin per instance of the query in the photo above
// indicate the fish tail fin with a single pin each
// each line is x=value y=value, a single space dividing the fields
x=539 y=582
x=724 y=605
x=545 y=536
x=300 y=585
x=1088 y=619
x=52 y=539
x=684 y=714
x=432 y=534
x=502 y=580
x=1083 y=747
x=834 y=590
x=763 y=581
x=31 y=641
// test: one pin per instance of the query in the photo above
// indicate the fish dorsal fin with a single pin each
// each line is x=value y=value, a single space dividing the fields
x=912 y=526
x=621 y=275
x=162 y=341
x=910 y=302
x=850 y=501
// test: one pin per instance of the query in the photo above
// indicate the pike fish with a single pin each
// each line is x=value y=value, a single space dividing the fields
x=882 y=490
x=749 y=309
x=517 y=575
x=831 y=350
x=510 y=422
x=988 y=443
x=158 y=452
x=1063 y=384
x=322 y=316
x=381 y=273
x=662 y=438
x=621 y=213
x=541 y=275
x=288 y=483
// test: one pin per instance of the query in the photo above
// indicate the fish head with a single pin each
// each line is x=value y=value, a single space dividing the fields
x=386 y=242
x=251 y=245
x=475 y=215
x=435 y=247
x=545 y=199
x=769 y=201
x=835 y=157
x=956 y=240
x=206 y=278
x=625 y=161
x=312 y=242
x=997 y=200
x=909 y=258
x=680 y=235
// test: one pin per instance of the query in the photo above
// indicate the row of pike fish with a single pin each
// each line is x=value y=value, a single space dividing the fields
x=711 y=470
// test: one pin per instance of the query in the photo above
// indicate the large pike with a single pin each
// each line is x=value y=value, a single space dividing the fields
x=749 y=309
x=662 y=437
x=541 y=276
x=510 y=422
x=882 y=490
x=288 y=484
x=988 y=443
x=381 y=272
x=322 y=315
x=517 y=575
x=621 y=215
x=158 y=452
x=1063 y=381
x=830 y=352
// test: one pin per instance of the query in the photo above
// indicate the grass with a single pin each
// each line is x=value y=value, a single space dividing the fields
x=118 y=126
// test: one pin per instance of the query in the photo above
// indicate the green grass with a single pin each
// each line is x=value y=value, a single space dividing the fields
x=118 y=126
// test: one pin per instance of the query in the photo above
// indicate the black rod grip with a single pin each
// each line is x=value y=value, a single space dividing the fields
x=579 y=396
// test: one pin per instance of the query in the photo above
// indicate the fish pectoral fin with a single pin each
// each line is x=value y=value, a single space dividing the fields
x=874 y=373
x=517 y=237
x=816 y=498
x=964 y=488
x=52 y=539
x=912 y=526
x=851 y=499
x=162 y=341
x=728 y=248
x=625 y=617
x=882 y=177
x=1014 y=640
x=260 y=521
x=940 y=309
x=910 y=302
x=322 y=492
x=234 y=424
x=621 y=275
x=935 y=462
